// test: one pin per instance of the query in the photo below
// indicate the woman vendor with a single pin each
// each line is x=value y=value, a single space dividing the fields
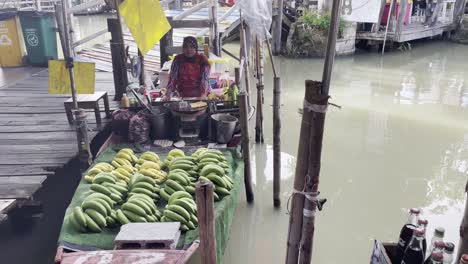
x=190 y=72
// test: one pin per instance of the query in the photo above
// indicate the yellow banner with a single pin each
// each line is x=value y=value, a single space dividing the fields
x=146 y=21
x=59 y=77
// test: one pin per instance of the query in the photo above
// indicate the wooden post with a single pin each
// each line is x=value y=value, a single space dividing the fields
x=401 y=18
x=237 y=75
x=245 y=55
x=166 y=41
x=142 y=73
x=118 y=57
x=392 y=3
x=215 y=37
x=376 y=26
x=244 y=123
x=463 y=244
x=206 y=221
x=260 y=87
x=276 y=141
x=277 y=27
x=302 y=217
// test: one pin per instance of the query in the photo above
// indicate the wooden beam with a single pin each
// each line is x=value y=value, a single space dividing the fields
x=376 y=27
x=200 y=23
x=90 y=37
x=401 y=18
x=118 y=58
x=277 y=28
x=85 y=6
x=192 y=10
x=206 y=221
x=244 y=123
x=276 y=141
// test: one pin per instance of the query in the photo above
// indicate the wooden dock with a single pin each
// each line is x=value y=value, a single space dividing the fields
x=35 y=137
x=228 y=21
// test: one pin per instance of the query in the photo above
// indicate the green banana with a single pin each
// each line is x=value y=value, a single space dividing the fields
x=176 y=153
x=212 y=168
x=105 y=204
x=191 y=225
x=150 y=208
x=116 y=198
x=182 y=166
x=92 y=225
x=178 y=178
x=93 y=204
x=164 y=195
x=158 y=214
x=134 y=217
x=116 y=188
x=209 y=160
x=194 y=219
x=74 y=223
x=174 y=185
x=178 y=195
x=180 y=171
x=205 y=179
x=122 y=218
x=79 y=216
x=142 y=190
x=169 y=190
x=221 y=190
x=217 y=180
x=174 y=216
x=216 y=197
x=97 y=217
x=110 y=221
x=141 y=178
x=179 y=210
x=229 y=179
x=143 y=185
x=141 y=204
x=190 y=189
x=100 y=189
x=124 y=156
x=134 y=209
x=100 y=196
x=184 y=228
x=150 y=218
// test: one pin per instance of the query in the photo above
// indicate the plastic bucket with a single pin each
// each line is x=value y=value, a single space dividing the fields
x=225 y=125
x=160 y=122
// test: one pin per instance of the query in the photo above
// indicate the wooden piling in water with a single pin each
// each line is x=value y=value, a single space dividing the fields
x=244 y=123
x=260 y=87
x=276 y=142
x=206 y=221
x=117 y=48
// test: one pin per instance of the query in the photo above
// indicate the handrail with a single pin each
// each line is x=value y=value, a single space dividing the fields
x=221 y=19
x=192 y=10
x=84 y=6
x=89 y=38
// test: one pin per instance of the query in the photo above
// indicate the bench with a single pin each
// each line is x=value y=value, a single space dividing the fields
x=88 y=101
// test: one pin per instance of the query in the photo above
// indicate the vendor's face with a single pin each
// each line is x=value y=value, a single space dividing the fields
x=189 y=51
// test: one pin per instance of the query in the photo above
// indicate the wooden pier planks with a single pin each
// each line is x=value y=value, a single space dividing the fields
x=35 y=137
x=100 y=54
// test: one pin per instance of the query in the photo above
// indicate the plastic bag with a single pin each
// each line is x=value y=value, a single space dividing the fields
x=257 y=14
x=139 y=129
x=120 y=122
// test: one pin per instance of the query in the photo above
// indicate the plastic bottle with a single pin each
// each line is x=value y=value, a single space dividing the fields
x=438 y=236
x=436 y=258
x=422 y=223
x=124 y=102
x=414 y=253
x=438 y=248
x=448 y=252
x=406 y=233
x=464 y=259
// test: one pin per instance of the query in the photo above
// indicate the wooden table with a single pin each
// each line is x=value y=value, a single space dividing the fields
x=88 y=101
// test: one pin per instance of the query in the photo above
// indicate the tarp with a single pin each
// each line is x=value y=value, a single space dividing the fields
x=224 y=212
x=257 y=14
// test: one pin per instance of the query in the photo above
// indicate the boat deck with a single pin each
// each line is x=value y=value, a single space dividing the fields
x=35 y=136
x=101 y=55
x=409 y=32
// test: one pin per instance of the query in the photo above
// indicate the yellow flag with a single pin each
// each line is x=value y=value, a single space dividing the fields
x=59 y=77
x=146 y=20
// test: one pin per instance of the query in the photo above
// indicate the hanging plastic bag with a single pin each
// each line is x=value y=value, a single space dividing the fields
x=257 y=14
x=139 y=129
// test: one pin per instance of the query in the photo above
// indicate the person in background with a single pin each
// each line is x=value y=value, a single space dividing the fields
x=190 y=72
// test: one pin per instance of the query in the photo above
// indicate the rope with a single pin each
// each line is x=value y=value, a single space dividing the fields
x=315 y=107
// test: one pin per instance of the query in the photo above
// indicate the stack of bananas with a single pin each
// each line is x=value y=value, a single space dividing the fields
x=181 y=208
x=94 y=214
x=141 y=184
x=107 y=184
x=98 y=168
x=171 y=155
x=139 y=208
x=124 y=173
x=213 y=167
x=147 y=156
x=125 y=156
x=178 y=180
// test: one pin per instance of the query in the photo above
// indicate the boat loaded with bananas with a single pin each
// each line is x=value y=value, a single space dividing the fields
x=125 y=186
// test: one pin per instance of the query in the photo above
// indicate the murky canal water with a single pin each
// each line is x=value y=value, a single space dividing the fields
x=400 y=141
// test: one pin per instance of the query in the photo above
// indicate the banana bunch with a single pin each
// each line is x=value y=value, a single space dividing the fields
x=125 y=156
x=213 y=167
x=141 y=184
x=94 y=214
x=148 y=156
x=139 y=208
x=211 y=156
x=174 y=153
x=106 y=183
x=98 y=168
x=177 y=180
x=181 y=208
x=124 y=173
x=153 y=170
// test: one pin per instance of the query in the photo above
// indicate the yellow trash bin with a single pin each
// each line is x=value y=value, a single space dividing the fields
x=11 y=51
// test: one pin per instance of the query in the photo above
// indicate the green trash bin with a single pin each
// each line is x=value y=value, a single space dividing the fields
x=40 y=37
